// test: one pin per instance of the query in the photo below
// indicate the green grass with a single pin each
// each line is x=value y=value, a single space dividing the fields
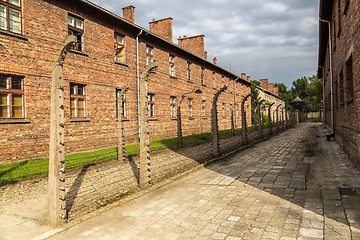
x=14 y=172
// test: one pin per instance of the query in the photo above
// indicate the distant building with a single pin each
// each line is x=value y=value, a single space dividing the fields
x=339 y=67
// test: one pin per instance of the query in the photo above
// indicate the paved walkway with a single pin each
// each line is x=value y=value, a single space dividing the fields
x=295 y=185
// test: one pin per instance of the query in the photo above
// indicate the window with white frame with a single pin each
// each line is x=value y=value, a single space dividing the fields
x=173 y=107
x=119 y=48
x=214 y=84
x=222 y=81
x=123 y=102
x=10 y=16
x=11 y=97
x=172 y=65
x=76 y=28
x=202 y=76
x=149 y=55
x=151 y=105
x=188 y=71
x=77 y=100
x=223 y=110
x=190 y=105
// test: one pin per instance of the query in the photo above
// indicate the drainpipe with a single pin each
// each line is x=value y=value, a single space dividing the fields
x=138 y=79
x=331 y=77
x=235 y=101
x=323 y=85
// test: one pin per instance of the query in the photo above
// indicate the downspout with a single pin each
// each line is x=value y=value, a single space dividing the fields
x=138 y=79
x=323 y=85
x=331 y=77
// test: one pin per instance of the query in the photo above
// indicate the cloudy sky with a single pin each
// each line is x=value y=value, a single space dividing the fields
x=274 y=39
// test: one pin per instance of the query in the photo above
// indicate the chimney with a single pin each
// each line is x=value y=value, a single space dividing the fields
x=215 y=61
x=205 y=55
x=129 y=13
x=162 y=28
x=264 y=83
x=248 y=78
x=195 y=44
x=243 y=76
x=276 y=91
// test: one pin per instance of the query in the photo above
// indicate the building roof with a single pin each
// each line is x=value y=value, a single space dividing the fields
x=297 y=100
x=146 y=34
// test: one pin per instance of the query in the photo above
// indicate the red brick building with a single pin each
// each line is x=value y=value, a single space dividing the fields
x=110 y=53
x=339 y=67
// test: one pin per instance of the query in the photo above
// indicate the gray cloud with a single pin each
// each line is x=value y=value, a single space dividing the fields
x=275 y=39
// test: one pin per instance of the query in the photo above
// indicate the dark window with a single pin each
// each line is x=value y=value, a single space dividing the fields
x=341 y=87
x=76 y=28
x=349 y=86
x=203 y=108
x=10 y=16
x=77 y=100
x=151 y=105
x=119 y=48
x=11 y=97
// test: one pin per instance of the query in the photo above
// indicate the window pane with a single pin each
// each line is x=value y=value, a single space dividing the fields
x=2 y=17
x=16 y=83
x=17 y=100
x=81 y=103
x=17 y=112
x=72 y=103
x=79 y=24
x=15 y=21
x=81 y=90
x=72 y=112
x=81 y=112
x=3 y=100
x=4 y=112
x=71 y=21
x=4 y=82
x=15 y=2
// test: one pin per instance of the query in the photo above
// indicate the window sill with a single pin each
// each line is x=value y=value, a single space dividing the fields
x=14 y=35
x=214 y=88
x=122 y=64
x=78 y=52
x=15 y=121
x=153 y=119
x=191 y=118
x=124 y=120
x=173 y=118
x=80 y=120
x=203 y=85
x=173 y=77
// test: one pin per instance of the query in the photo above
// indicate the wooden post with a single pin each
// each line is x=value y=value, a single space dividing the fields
x=121 y=142
x=145 y=169
x=56 y=178
x=214 y=123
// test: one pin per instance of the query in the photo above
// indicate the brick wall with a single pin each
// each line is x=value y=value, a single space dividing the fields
x=345 y=45
x=31 y=55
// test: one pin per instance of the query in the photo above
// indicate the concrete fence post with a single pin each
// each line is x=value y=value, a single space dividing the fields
x=56 y=178
x=260 y=118
x=277 y=117
x=145 y=168
x=121 y=141
x=214 y=123
x=282 y=118
x=232 y=122
x=243 y=120
x=269 y=119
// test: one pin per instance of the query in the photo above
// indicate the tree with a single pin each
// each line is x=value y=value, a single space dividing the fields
x=309 y=89
x=254 y=100
x=288 y=96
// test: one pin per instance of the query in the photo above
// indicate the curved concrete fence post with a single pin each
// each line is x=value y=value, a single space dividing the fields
x=214 y=123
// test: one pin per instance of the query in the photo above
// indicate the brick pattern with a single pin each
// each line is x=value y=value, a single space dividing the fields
x=31 y=55
x=345 y=44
